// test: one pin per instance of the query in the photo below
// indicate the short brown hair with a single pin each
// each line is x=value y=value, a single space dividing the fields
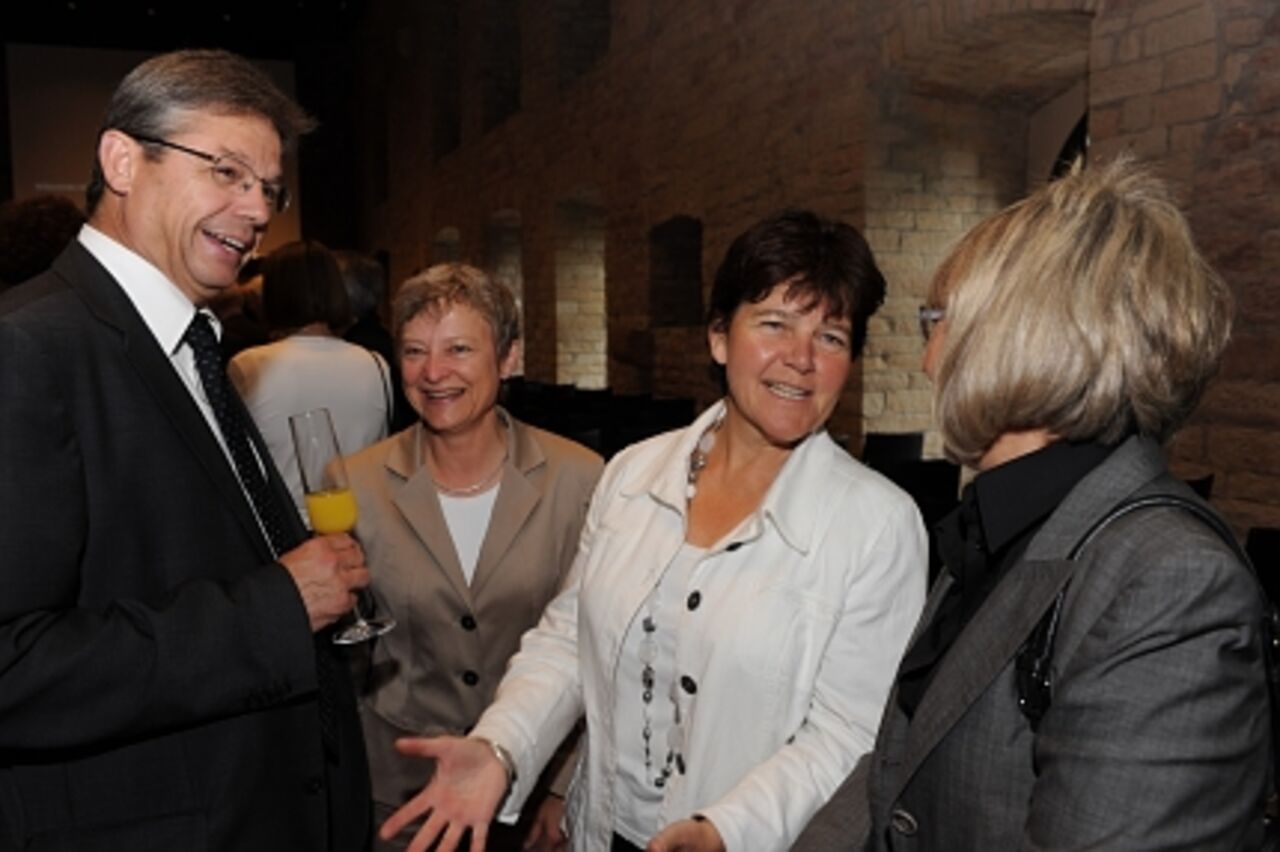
x=151 y=98
x=438 y=287
x=301 y=285
x=1084 y=309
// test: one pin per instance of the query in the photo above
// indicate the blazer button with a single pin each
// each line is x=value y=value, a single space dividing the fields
x=468 y=622
x=688 y=684
x=903 y=822
x=695 y=600
x=470 y=678
x=314 y=785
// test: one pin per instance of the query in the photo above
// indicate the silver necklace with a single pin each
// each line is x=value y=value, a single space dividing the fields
x=474 y=488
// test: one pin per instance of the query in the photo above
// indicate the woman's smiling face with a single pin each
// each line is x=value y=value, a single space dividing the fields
x=785 y=362
x=451 y=369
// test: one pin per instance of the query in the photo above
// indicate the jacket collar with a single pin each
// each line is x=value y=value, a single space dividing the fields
x=991 y=639
x=1132 y=465
x=523 y=451
x=792 y=503
x=106 y=300
x=419 y=502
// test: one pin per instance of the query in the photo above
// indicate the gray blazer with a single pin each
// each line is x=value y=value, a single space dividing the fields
x=1158 y=733
x=438 y=669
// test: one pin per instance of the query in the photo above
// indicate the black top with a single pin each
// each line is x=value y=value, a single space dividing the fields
x=999 y=513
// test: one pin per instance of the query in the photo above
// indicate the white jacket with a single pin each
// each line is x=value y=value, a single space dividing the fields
x=794 y=646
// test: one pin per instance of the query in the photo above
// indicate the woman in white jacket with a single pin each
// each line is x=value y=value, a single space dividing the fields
x=742 y=593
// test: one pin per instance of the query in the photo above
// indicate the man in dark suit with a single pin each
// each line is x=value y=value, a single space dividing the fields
x=162 y=683
x=365 y=281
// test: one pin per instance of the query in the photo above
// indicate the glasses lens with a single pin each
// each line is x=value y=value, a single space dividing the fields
x=277 y=195
x=929 y=319
x=228 y=173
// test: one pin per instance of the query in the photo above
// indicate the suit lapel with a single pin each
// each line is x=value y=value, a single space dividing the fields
x=517 y=497
x=982 y=650
x=110 y=305
x=419 y=505
x=992 y=638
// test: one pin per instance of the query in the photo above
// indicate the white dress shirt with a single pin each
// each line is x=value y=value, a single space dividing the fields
x=167 y=313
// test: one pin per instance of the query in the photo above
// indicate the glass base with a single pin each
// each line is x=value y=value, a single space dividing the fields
x=363 y=630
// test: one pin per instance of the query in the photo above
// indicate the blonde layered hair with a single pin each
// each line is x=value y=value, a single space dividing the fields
x=1084 y=309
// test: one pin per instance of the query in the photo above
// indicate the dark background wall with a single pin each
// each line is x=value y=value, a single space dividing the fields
x=556 y=140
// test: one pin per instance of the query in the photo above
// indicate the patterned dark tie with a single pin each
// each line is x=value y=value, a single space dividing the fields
x=230 y=417
x=231 y=421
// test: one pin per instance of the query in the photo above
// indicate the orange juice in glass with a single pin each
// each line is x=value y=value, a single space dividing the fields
x=330 y=503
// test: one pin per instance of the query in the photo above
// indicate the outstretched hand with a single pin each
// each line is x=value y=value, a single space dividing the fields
x=687 y=835
x=464 y=793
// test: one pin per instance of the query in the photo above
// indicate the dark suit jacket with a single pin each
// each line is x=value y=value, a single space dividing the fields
x=1158 y=732
x=158 y=678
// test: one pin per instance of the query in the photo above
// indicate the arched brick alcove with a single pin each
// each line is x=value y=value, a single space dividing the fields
x=959 y=84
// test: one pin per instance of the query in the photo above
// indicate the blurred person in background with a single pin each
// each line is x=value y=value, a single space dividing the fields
x=308 y=366
x=366 y=283
x=33 y=231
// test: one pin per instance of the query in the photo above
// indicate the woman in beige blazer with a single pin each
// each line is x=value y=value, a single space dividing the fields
x=469 y=520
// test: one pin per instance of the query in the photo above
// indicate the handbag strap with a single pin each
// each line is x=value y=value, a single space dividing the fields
x=384 y=381
x=1035 y=685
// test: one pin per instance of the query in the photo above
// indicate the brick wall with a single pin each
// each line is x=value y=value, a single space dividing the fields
x=1195 y=87
x=580 y=323
x=939 y=167
x=907 y=118
x=503 y=259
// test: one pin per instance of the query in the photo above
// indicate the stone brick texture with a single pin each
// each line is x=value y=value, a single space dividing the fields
x=906 y=118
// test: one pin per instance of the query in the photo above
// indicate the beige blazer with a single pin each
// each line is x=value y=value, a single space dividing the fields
x=438 y=669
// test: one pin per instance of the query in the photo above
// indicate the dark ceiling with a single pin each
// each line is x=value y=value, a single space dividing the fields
x=314 y=35
x=265 y=29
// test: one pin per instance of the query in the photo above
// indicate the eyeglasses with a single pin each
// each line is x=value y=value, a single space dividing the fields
x=230 y=172
x=929 y=319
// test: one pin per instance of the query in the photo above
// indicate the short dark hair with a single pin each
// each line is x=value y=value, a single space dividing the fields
x=301 y=285
x=365 y=280
x=822 y=260
x=33 y=231
x=150 y=99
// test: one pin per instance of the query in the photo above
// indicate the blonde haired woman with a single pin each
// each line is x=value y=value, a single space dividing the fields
x=1117 y=699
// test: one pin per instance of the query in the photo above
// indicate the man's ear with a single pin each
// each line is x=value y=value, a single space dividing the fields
x=118 y=156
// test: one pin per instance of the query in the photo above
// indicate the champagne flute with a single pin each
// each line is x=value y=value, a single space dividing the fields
x=330 y=503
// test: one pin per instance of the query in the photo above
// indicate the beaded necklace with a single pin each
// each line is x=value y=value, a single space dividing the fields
x=674 y=760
